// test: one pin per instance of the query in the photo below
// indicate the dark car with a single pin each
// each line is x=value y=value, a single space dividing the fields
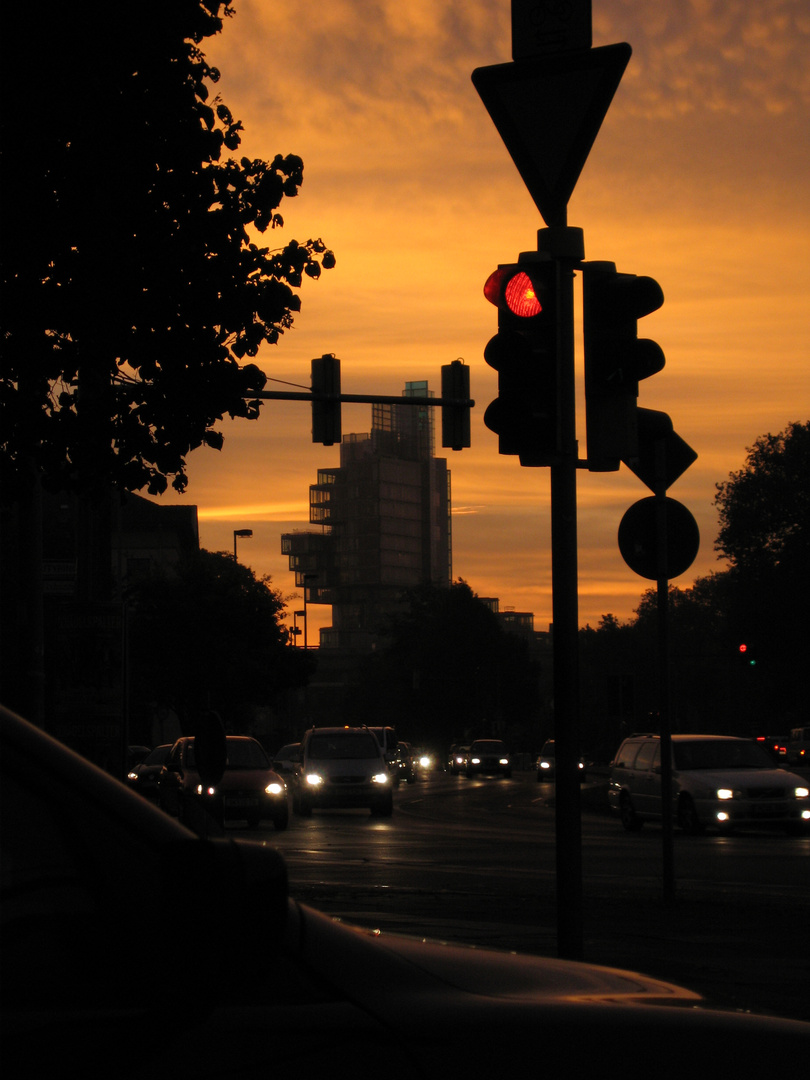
x=143 y=777
x=488 y=756
x=406 y=766
x=249 y=789
x=546 y=764
x=287 y=758
x=457 y=759
x=87 y=861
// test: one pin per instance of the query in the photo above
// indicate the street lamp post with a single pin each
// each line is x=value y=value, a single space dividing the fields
x=244 y=534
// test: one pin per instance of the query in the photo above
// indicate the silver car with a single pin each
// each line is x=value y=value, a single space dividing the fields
x=717 y=780
x=342 y=767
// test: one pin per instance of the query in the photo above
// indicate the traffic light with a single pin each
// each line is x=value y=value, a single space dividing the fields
x=747 y=656
x=325 y=381
x=525 y=353
x=456 y=417
x=615 y=360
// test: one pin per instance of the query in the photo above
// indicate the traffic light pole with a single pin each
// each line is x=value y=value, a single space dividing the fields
x=566 y=247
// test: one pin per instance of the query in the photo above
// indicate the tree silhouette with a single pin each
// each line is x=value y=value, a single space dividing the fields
x=209 y=636
x=134 y=283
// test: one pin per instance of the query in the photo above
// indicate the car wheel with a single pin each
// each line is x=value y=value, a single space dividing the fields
x=687 y=816
x=630 y=819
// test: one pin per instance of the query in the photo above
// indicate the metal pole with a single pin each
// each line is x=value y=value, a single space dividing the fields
x=566 y=247
x=664 y=701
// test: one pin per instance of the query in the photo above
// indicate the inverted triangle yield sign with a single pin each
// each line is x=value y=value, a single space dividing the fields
x=548 y=112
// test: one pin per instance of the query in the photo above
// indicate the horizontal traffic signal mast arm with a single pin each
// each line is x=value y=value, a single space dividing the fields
x=359 y=399
x=326 y=399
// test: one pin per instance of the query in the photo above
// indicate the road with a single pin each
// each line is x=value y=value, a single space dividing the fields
x=473 y=861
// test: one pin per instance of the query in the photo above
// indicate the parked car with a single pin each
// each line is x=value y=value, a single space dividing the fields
x=342 y=767
x=457 y=759
x=717 y=781
x=488 y=756
x=286 y=759
x=249 y=789
x=143 y=777
x=87 y=861
x=546 y=764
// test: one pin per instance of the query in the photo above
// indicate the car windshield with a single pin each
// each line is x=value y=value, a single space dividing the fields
x=158 y=755
x=719 y=754
x=327 y=747
x=489 y=746
x=241 y=754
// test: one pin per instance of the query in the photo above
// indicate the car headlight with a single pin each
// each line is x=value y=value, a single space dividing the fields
x=132 y=776
x=314 y=779
x=545 y=764
x=202 y=790
x=801 y=792
x=274 y=789
x=475 y=761
x=727 y=793
x=424 y=761
x=504 y=761
x=380 y=778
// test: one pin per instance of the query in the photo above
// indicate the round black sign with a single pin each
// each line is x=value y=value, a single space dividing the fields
x=638 y=538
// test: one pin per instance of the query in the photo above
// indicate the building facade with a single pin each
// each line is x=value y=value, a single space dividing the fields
x=381 y=525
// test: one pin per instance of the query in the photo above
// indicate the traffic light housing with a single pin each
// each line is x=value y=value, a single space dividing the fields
x=325 y=382
x=456 y=416
x=616 y=359
x=525 y=353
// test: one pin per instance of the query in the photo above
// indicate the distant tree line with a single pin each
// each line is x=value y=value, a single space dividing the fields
x=760 y=601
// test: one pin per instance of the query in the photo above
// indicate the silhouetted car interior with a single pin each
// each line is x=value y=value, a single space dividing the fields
x=250 y=983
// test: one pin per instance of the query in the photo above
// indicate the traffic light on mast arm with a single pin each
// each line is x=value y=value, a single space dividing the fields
x=325 y=381
x=615 y=360
x=456 y=417
x=525 y=353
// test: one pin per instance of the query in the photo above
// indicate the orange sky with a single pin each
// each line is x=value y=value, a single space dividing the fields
x=700 y=177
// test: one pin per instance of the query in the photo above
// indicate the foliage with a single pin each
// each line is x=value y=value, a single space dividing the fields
x=449 y=671
x=759 y=601
x=133 y=283
x=765 y=507
x=209 y=635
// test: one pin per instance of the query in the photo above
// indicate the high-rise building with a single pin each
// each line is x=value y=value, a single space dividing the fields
x=383 y=525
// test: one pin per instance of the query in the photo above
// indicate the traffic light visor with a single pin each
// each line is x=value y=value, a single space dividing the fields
x=512 y=288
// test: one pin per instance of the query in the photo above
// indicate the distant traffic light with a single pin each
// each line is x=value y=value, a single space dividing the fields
x=325 y=381
x=456 y=417
x=747 y=656
x=525 y=352
x=615 y=360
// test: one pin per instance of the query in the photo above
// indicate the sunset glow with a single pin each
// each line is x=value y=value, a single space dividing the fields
x=700 y=178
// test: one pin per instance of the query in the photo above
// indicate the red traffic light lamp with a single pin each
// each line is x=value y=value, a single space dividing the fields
x=524 y=352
